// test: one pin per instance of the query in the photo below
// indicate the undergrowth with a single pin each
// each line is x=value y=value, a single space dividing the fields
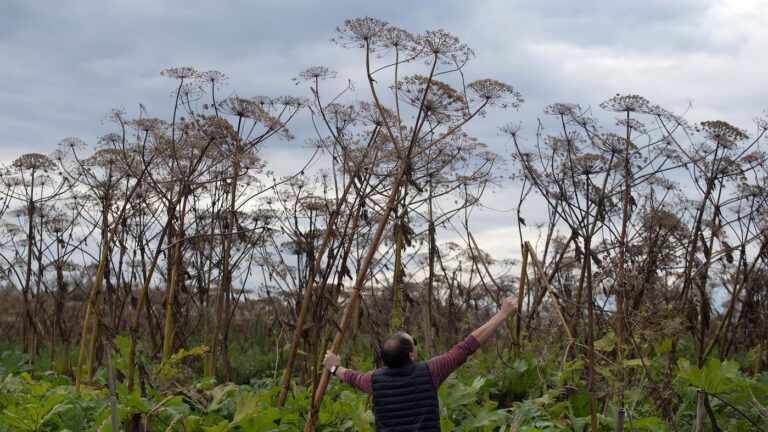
x=537 y=391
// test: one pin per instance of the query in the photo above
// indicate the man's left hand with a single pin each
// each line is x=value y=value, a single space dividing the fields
x=509 y=307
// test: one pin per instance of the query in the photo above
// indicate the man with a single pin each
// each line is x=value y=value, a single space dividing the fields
x=405 y=392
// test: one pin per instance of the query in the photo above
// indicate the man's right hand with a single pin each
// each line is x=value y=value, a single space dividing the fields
x=330 y=359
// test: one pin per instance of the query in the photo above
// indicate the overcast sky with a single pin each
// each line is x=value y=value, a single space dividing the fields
x=66 y=63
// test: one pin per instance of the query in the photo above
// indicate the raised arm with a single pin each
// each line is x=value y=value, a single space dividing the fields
x=485 y=331
x=442 y=366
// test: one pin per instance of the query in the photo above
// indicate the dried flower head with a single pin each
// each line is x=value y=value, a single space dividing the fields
x=315 y=73
x=340 y=116
x=511 y=129
x=360 y=32
x=110 y=140
x=57 y=223
x=291 y=102
x=722 y=133
x=148 y=124
x=34 y=162
x=562 y=109
x=242 y=107
x=182 y=72
x=615 y=144
x=495 y=93
x=441 y=101
x=212 y=78
x=589 y=163
x=72 y=144
x=754 y=158
x=369 y=114
x=562 y=145
x=626 y=103
x=445 y=47
x=662 y=182
x=191 y=91
x=116 y=115
x=216 y=129
x=395 y=37
x=669 y=116
x=632 y=124
x=104 y=158
x=762 y=123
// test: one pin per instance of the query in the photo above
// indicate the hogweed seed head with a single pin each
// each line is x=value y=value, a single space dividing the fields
x=495 y=93
x=182 y=72
x=626 y=103
x=359 y=32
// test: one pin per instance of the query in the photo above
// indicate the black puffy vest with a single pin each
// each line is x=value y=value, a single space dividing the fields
x=405 y=399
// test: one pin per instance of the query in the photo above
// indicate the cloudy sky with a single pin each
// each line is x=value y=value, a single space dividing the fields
x=65 y=64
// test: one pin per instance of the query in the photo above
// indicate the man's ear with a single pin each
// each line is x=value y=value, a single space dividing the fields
x=412 y=355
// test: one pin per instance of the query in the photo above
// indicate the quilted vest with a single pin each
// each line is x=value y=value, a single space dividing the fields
x=405 y=399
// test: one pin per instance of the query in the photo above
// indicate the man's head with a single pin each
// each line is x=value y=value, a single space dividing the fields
x=398 y=350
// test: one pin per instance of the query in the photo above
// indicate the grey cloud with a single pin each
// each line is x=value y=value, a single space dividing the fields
x=69 y=63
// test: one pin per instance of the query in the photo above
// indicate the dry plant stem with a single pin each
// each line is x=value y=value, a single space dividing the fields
x=622 y=279
x=703 y=284
x=699 y=426
x=308 y=296
x=332 y=316
x=476 y=258
x=577 y=312
x=591 y=340
x=94 y=334
x=697 y=227
x=396 y=320
x=429 y=319
x=352 y=302
x=143 y=298
x=115 y=316
x=711 y=415
x=665 y=405
x=590 y=319
x=545 y=281
x=28 y=277
x=729 y=311
x=110 y=384
x=495 y=298
x=539 y=294
x=168 y=333
x=225 y=278
x=98 y=279
x=341 y=255
x=520 y=294
x=145 y=420
x=740 y=412
x=590 y=231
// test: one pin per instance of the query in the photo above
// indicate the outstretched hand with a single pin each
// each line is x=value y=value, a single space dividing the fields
x=330 y=359
x=508 y=307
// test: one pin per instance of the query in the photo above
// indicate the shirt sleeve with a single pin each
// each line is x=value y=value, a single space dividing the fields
x=442 y=366
x=362 y=381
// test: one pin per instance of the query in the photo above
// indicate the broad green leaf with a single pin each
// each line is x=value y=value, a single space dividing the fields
x=606 y=343
x=653 y=424
x=714 y=377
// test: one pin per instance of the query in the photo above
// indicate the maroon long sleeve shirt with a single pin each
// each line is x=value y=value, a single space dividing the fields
x=440 y=367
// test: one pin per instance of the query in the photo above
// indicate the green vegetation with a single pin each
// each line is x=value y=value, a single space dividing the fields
x=536 y=392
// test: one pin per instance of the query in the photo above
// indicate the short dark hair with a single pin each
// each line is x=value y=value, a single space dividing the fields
x=396 y=350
